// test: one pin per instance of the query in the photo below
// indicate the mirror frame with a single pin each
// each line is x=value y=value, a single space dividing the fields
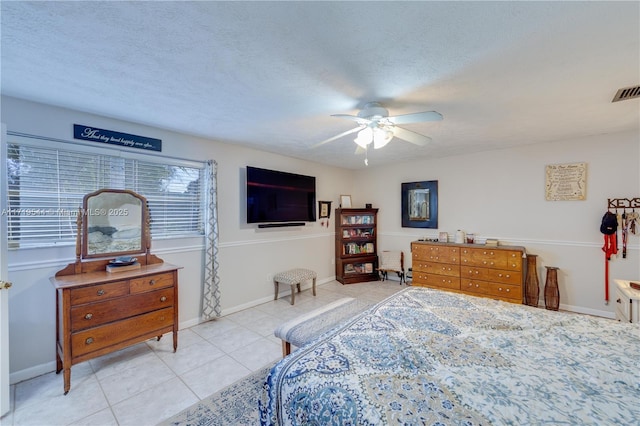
x=114 y=210
x=431 y=218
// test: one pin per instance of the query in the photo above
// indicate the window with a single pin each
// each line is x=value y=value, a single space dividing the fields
x=46 y=185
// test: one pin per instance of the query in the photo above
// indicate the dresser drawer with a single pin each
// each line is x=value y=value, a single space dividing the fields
x=98 y=292
x=439 y=254
x=437 y=268
x=491 y=258
x=505 y=277
x=151 y=282
x=98 y=313
x=474 y=273
x=434 y=280
x=97 y=338
x=501 y=291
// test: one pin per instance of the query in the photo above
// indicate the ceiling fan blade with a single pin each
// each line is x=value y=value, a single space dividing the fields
x=416 y=117
x=361 y=121
x=348 y=132
x=409 y=136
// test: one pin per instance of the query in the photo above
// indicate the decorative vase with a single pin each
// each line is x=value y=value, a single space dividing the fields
x=531 y=284
x=551 y=291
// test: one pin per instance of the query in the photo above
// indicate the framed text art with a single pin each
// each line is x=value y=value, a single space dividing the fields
x=566 y=182
x=420 y=204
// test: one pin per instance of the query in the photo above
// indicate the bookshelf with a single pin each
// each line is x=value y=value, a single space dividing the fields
x=356 y=245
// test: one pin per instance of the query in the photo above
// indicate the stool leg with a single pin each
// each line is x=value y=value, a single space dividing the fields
x=313 y=286
x=275 y=284
x=298 y=287
x=293 y=293
x=286 y=348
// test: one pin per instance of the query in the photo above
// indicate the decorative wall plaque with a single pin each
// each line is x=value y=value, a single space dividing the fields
x=565 y=182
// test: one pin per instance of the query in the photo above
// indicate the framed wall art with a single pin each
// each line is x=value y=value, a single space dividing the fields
x=345 y=201
x=324 y=209
x=566 y=182
x=420 y=204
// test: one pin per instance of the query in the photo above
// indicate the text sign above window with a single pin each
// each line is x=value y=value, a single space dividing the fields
x=116 y=138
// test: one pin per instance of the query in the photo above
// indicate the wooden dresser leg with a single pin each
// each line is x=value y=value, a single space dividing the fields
x=67 y=380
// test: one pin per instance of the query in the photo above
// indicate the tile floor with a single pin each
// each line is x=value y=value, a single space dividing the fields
x=147 y=383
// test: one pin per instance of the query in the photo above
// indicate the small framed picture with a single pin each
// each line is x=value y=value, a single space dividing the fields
x=345 y=201
x=324 y=207
x=443 y=237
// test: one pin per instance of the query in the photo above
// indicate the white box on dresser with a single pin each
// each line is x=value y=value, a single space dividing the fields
x=627 y=302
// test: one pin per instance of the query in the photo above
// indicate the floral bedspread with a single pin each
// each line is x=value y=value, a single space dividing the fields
x=424 y=356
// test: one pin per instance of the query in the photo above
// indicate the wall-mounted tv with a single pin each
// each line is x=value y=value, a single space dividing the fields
x=278 y=197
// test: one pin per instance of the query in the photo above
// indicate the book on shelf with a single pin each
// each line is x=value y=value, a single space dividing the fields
x=121 y=268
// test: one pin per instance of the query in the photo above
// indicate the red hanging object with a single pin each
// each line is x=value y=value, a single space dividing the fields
x=610 y=248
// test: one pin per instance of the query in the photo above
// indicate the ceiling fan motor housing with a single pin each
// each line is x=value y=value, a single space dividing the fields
x=373 y=110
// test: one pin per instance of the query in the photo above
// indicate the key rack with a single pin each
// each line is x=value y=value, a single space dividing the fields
x=623 y=203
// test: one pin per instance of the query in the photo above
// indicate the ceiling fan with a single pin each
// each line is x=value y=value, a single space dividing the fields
x=375 y=126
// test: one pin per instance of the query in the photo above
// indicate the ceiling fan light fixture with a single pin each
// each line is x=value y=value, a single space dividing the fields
x=381 y=137
x=365 y=137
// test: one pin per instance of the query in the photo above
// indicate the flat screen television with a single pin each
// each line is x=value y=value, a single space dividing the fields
x=278 y=197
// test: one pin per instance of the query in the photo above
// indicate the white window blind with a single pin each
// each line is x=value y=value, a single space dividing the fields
x=46 y=186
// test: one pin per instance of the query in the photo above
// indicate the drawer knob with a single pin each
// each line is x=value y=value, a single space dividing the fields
x=618 y=301
x=88 y=341
x=500 y=275
x=88 y=316
x=163 y=299
x=100 y=292
x=152 y=282
x=477 y=285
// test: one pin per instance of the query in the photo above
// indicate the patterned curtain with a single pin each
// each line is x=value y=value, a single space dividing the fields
x=211 y=285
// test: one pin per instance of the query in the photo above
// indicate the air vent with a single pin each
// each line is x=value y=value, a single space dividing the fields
x=627 y=93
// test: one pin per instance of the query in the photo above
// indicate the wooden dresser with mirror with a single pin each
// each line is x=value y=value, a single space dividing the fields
x=116 y=293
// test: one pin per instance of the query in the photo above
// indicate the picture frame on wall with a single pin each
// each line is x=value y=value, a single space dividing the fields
x=324 y=209
x=420 y=204
x=345 y=201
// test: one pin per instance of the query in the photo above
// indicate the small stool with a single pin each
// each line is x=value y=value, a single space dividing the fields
x=294 y=277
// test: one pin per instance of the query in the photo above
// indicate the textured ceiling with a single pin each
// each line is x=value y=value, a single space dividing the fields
x=268 y=75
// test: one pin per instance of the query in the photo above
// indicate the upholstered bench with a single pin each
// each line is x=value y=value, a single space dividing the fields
x=307 y=327
x=294 y=277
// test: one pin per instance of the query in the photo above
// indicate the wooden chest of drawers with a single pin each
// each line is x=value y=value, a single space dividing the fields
x=100 y=312
x=495 y=272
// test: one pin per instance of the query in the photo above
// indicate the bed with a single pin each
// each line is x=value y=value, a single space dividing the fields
x=426 y=356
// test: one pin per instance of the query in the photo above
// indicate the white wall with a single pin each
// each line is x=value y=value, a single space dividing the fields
x=494 y=194
x=501 y=194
